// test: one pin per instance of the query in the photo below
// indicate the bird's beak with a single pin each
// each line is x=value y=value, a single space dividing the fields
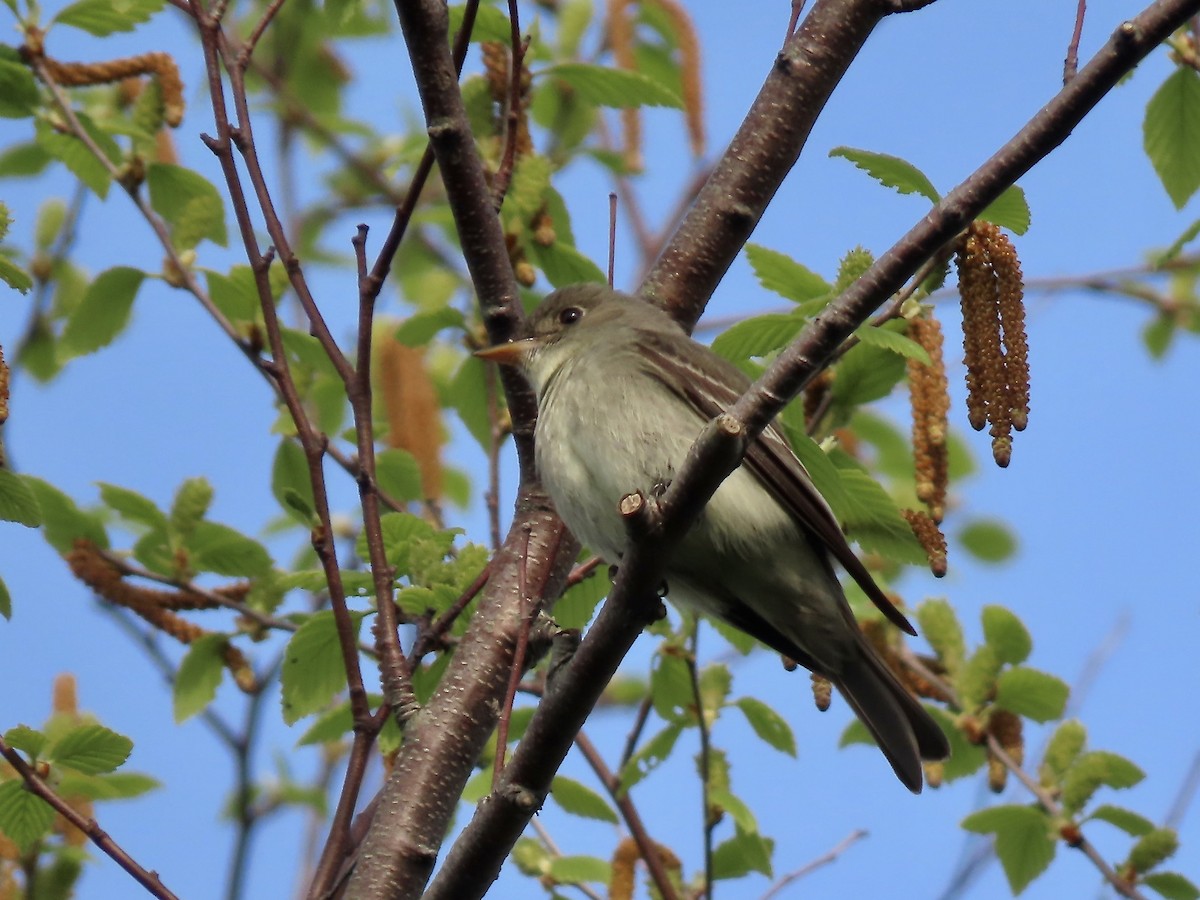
x=511 y=354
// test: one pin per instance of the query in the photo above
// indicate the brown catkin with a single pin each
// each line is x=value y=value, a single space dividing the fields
x=930 y=399
x=160 y=65
x=931 y=538
x=822 y=690
x=495 y=69
x=1012 y=320
x=620 y=38
x=689 y=71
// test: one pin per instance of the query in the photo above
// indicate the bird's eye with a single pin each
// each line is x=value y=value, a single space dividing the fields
x=570 y=315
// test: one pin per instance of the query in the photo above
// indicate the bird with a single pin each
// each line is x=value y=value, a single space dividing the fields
x=622 y=393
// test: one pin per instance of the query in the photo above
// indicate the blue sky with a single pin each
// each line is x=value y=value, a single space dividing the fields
x=1101 y=490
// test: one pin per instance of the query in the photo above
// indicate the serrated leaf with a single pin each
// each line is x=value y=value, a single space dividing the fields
x=866 y=373
x=62 y=521
x=563 y=265
x=824 y=474
x=132 y=506
x=1006 y=634
x=769 y=725
x=290 y=482
x=988 y=540
x=580 y=870
x=758 y=336
x=615 y=88
x=1171 y=885
x=577 y=605
x=189 y=507
x=111 y=786
x=467 y=395
x=1171 y=133
x=313 y=669
x=781 y=274
x=940 y=627
x=1024 y=844
x=1090 y=771
x=671 y=688
x=874 y=521
x=580 y=800
x=188 y=202
x=91 y=749
x=226 y=551
x=976 y=680
x=1063 y=749
x=1153 y=849
x=886 y=339
x=1010 y=210
x=742 y=854
x=24 y=817
x=104 y=17
x=104 y=311
x=1127 y=820
x=75 y=155
x=199 y=676
x=14 y=276
x=650 y=756
x=398 y=474
x=890 y=171
x=19 y=96
x=329 y=726
x=18 y=503
x=1030 y=693
x=490 y=23
x=28 y=740
x=234 y=294
x=418 y=329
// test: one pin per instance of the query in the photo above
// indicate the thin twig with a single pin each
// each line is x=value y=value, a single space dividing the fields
x=808 y=868
x=1071 y=62
x=709 y=822
x=37 y=785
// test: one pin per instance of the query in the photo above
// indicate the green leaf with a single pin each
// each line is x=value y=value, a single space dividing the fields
x=887 y=339
x=398 y=474
x=769 y=725
x=14 y=276
x=1030 y=693
x=824 y=474
x=965 y=757
x=941 y=628
x=20 y=160
x=890 y=171
x=988 y=540
x=574 y=609
x=235 y=294
x=226 y=551
x=104 y=17
x=1061 y=752
x=758 y=336
x=490 y=24
x=1171 y=134
x=650 y=756
x=75 y=155
x=1153 y=849
x=671 y=688
x=18 y=503
x=132 y=506
x=1006 y=634
x=189 y=507
x=1171 y=885
x=562 y=264
x=24 y=817
x=5 y=601
x=1010 y=210
x=874 y=521
x=781 y=274
x=290 y=482
x=528 y=187
x=199 y=676
x=580 y=800
x=28 y=740
x=19 y=96
x=419 y=328
x=62 y=521
x=742 y=854
x=104 y=312
x=1158 y=334
x=113 y=786
x=976 y=680
x=1090 y=771
x=616 y=88
x=188 y=202
x=866 y=373
x=313 y=669
x=1127 y=820
x=580 y=870
x=91 y=749
x=728 y=802
x=1024 y=844
x=468 y=397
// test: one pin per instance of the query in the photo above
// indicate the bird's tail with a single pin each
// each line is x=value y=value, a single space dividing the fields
x=903 y=729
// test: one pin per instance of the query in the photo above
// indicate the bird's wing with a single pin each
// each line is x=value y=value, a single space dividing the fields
x=711 y=385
